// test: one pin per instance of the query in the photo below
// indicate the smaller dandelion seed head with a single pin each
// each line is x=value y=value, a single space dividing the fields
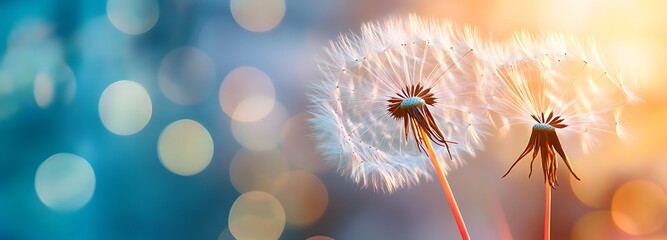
x=544 y=140
x=557 y=85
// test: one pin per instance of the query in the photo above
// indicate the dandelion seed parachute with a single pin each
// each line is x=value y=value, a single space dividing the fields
x=564 y=89
x=357 y=126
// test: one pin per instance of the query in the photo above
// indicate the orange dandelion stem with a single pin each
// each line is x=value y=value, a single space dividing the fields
x=411 y=106
x=445 y=186
x=544 y=140
x=547 y=211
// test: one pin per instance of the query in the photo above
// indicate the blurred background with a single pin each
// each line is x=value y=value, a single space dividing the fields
x=186 y=119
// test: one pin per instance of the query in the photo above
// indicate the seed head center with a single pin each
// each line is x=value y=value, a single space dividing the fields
x=411 y=102
x=543 y=127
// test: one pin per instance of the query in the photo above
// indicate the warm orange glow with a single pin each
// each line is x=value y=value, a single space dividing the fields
x=303 y=196
x=596 y=225
x=299 y=144
x=632 y=35
x=639 y=207
x=254 y=170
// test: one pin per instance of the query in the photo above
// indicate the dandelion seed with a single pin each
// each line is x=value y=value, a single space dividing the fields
x=561 y=88
x=388 y=92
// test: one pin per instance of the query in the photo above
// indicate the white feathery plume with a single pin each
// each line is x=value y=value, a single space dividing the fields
x=372 y=138
x=557 y=84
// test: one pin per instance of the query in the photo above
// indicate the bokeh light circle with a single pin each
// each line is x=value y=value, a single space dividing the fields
x=319 y=238
x=256 y=170
x=639 y=207
x=253 y=108
x=125 y=107
x=187 y=75
x=185 y=147
x=303 y=196
x=258 y=15
x=299 y=144
x=44 y=90
x=65 y=182
x=595 y=225
x=247 y=94
x=596 y=191
x=133 y=16
x=55 y=81
x=256 y=215
x=263 y=134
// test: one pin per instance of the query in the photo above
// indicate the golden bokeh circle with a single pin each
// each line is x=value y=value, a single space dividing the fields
x=319 y=238
x=639 y=207
x=256 y=215
x=258 y=15
x=185 y=147
x=246 y=94
x=256 y=170
x=596 y=189
x=263 y=134
x=299 y=144
x=303 y=195
x=595 y=225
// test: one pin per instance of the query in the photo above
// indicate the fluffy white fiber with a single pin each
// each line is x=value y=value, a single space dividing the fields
x=524 y=76
x=358 y=75
x=558 y=73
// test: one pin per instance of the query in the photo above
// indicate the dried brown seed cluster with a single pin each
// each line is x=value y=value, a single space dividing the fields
x=411 y=106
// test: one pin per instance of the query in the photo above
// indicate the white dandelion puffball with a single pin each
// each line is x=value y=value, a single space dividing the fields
x=555 y=83
x=379 y=87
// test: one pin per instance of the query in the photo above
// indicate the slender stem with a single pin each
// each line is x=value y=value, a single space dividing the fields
x=445 y=187
x=547 y=212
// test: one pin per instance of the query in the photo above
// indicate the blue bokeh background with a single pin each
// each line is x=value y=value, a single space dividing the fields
x=76 y=44
x=135 y=196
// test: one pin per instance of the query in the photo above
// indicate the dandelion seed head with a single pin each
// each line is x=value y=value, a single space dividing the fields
x=543 y=127
x=373 y=81
x=411 y=102
x=564 y=75
x=556 y=75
